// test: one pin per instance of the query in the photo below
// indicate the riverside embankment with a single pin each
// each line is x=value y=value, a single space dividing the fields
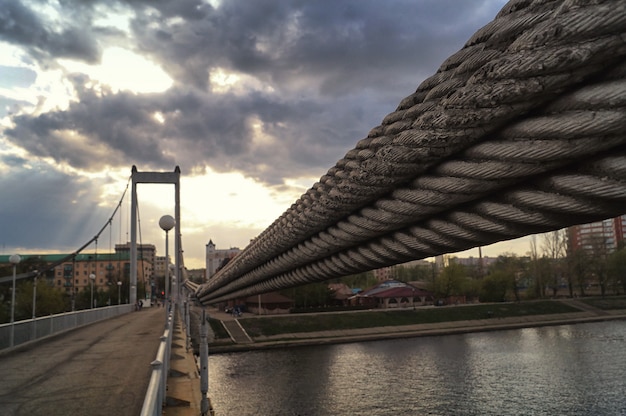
x=249 y=332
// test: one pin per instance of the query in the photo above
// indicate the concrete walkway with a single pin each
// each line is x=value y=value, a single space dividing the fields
x=100 y=369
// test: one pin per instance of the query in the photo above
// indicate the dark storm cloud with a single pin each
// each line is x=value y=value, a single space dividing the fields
x=335 y=47
x=327 y=72
x=22 y=26
x=119 y=129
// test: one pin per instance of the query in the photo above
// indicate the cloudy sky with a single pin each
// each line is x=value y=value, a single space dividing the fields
x=254 y=100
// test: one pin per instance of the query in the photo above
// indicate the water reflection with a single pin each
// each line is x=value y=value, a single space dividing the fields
x=564 y=370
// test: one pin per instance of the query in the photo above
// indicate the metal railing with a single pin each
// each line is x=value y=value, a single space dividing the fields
x=156 y=399
x=156 y=394
x=29 y=330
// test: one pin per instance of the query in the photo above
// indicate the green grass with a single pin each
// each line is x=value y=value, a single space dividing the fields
x=218 y=329
x=349 y=320
x=614 y=302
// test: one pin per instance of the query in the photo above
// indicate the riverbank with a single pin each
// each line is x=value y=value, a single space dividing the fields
x=246 y=333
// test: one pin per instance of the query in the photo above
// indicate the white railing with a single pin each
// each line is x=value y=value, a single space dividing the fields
x=29 y=330
x=156 y=394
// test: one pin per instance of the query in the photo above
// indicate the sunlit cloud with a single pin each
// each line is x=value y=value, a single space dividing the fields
x=122 y=69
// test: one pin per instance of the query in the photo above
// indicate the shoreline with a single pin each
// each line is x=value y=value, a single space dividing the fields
x=301 y=339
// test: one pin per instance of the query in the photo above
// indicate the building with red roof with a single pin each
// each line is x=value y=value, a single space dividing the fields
x=392 y=294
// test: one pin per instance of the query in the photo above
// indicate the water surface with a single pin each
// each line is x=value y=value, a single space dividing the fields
x=560 y=370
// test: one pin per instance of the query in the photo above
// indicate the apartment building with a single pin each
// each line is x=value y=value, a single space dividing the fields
x=108 y=269
x=215 y=258
x=607 y=235
x=74 y=274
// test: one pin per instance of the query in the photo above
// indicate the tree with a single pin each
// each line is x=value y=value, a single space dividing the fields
x=506 y=274
x=617 y=268
x=362 y=280
x=312 y=295
x=554 y=249
x=413 y=273
x=538 y=285
x=494 y=287
x=48 y=300
x=598 y=261
x=450 y=282
x=578 y=267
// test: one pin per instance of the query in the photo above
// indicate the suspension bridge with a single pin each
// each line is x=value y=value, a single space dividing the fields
x=522 y=131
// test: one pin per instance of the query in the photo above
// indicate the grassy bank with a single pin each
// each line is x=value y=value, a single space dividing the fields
x=607 y=303
x=268 y=326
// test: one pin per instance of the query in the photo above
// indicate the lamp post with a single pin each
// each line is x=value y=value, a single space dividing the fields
x=92 y=277
x=14 y=260
x=174 y=287
x=35 y=294
x=119 y=292
x=167 y=222
x=34 y=334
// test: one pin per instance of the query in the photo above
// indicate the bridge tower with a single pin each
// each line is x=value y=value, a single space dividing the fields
x=153 y=177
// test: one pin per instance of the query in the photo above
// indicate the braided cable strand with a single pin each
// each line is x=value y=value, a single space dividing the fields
x=531 y=92
x=488 y=167
x=530 y=209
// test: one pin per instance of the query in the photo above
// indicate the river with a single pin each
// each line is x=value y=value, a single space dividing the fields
x=559 y=370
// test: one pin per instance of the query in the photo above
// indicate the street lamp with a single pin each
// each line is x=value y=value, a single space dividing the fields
x=119 y=292
x=167 y=222
x=92 y=277
x=14 y=260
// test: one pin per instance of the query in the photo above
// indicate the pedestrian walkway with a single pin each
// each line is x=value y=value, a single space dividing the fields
x=586 y=307
x=236 y=332
x=100 y=369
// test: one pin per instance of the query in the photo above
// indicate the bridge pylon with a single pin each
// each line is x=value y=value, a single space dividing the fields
x=153 y=177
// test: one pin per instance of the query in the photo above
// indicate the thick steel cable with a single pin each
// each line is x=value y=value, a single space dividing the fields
x=583 y=194
x=436 y=138
x=592 y=118
x=526 y=58
x=486 y=168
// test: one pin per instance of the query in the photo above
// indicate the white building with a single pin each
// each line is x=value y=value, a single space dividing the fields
x=215 y=258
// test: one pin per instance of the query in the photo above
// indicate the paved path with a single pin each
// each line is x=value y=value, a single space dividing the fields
x=236 y=332
x=101 y=369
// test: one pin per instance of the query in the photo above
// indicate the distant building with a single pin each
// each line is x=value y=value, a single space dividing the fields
x=472 y=261
x=108 y=268
x=386 y=273
x=216 y=259
x=605 y=235
x=144 y=251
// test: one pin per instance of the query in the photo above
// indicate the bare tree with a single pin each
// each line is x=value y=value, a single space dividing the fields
x=578 y=262
x=535 y=268
x=554 y=248
x=617 y=269
x=598 y=260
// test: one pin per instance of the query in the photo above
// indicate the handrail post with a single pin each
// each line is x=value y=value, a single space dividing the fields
x=187 y=331
x=204 y=364
x=160 y=399
x=163 y=366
